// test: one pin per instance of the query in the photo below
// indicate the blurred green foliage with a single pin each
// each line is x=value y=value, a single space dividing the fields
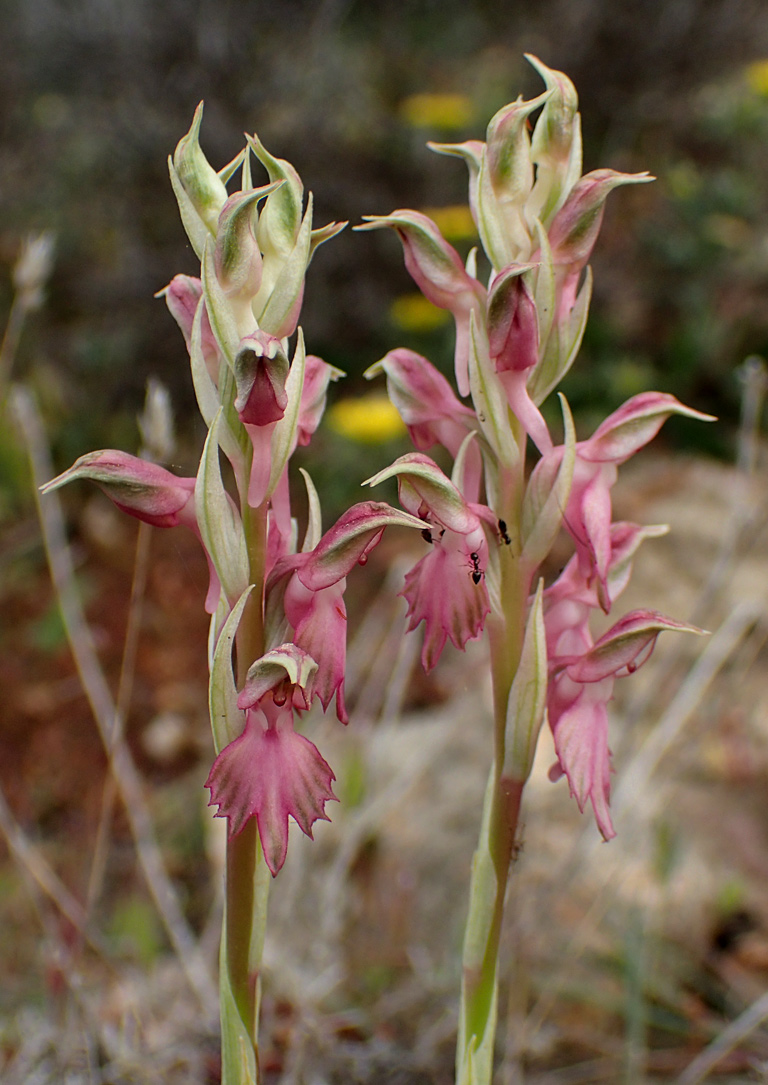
x=134 y=930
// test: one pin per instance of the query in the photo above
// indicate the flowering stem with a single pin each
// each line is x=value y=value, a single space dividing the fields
x=496 y=844
x=247 y=876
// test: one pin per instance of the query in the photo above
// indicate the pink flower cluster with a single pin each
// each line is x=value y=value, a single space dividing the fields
x=538 y=221
x=236 y=318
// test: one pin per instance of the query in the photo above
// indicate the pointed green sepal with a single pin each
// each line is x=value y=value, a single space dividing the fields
x=314 y=530
x=322 y=234
x=237 y=257
x=206 y=191
x=528 y=697
x=281 y=218
x=508 y=149
x=226 y=718
x=285 y=432
x=278 y=312
x=562 y=346
x=546 y=496
x=218 y=520
x=489 y=398
x=221 y=314
x=205 y=390
x=472 y=152
x=556 y=143
x=426 y=482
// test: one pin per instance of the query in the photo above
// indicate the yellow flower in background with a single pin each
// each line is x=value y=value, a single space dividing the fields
x=414 y=313
x=370 y=419
x=757 y=77
x=447 y=111
x=454 y=222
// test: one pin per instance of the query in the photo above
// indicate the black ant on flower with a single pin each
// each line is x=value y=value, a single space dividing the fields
x=477 y=575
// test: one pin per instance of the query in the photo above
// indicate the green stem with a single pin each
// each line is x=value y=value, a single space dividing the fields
x=247 y=876
x=242 y=855
x=496 y=845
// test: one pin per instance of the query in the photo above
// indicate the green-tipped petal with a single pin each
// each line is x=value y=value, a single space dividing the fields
x=435 y=489
x=626 y=646
x=237 y=256
x=281 y=218
x=281 y=664
x=556 y=144
x=202 y=184
x=349 y=542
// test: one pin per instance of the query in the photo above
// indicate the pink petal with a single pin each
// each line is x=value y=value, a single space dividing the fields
x=580 y=732
x=524 y=409
x=319 y=621
x=513 y=327
x=625 y=646
x=261 y=462
x=317 y=376
x=441 y=591
x=138 y=487
x=261 y=369
x=632 y=426
x=271 y=773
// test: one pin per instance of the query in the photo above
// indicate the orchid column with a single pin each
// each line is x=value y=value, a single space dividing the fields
x=493 y=522
x=278 y=620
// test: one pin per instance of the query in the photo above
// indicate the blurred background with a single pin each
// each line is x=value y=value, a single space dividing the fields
x=94 y=95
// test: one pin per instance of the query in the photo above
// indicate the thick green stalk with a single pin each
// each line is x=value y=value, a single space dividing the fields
x=501 y=809
x=247 y=876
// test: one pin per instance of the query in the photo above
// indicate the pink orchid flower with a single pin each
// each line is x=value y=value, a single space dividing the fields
x=317 y=376
x=446 y=589
x=270 y=772
x=583 y=672
x=261 y=370
x=310 y=588
x=183 y=295
x=437 y=270
x=430 y=409
x=588 y=514
x=513 y=340
x=147 y=492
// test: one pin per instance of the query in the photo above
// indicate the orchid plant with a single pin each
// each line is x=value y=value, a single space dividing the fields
x=278 y=621
x=493 y=523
